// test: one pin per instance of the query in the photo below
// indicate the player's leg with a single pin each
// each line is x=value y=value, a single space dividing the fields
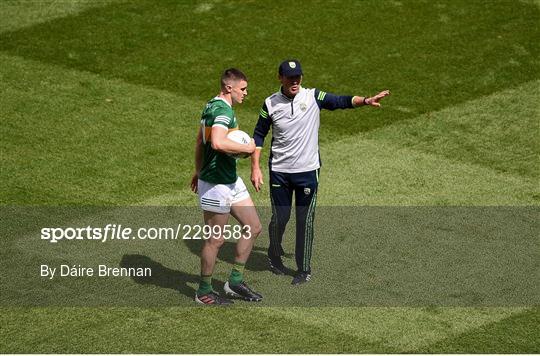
x=212 y=245
x=306 y=185
x=243 y=210
x=246 y=214
x=216 y=215
x=281 y=200
x=205 y=293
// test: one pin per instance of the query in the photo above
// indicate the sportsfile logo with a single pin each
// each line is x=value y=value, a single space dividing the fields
x=123 y=233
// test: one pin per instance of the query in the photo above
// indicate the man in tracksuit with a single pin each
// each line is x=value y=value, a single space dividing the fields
x=294 y=115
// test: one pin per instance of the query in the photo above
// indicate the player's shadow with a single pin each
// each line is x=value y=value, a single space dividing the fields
x=258 y=260
x=162 y=276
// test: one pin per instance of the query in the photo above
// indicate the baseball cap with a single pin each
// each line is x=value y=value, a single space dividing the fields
x=290 y=68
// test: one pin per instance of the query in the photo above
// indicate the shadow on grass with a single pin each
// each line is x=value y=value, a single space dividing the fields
x=162 y=276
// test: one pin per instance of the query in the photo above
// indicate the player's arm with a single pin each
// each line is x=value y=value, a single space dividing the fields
x=221 y=143
x=218 y=136
x=198 y=161
x=331 y=101
x=261 y=130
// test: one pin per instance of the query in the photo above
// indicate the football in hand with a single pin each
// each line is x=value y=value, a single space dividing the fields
x=239 y=136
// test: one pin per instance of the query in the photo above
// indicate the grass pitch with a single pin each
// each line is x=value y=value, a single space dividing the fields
x=100 y=103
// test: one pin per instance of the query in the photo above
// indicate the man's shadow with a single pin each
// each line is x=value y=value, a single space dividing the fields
x=258 y=260
x=162 y=276
x=180 y=281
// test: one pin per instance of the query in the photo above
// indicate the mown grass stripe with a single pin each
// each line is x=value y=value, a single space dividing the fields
x=404 y=330
x=499 y=131
x=515 y=334
x=121 y=129
x=423 y=178
x=259 y=328
x=455 y=71
x=20 y=14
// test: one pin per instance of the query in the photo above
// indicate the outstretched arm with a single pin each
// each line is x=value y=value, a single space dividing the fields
x=330 y=101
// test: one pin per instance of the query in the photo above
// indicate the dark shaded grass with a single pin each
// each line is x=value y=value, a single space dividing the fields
x=430 y=54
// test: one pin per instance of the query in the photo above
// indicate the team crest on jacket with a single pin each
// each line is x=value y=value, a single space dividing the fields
x=307 y=191
x=303 y=106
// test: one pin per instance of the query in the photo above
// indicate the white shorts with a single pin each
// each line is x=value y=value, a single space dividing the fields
x=218 y=198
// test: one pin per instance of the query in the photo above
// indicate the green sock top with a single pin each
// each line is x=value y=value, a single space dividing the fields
x=237 y=274
x=205 y=285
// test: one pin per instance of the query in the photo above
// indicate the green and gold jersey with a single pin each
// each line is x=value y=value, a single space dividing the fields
x=217 y=167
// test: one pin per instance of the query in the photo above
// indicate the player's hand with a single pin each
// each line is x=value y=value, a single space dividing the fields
x=195 y=183
x=257 y=178
x=374 y=100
